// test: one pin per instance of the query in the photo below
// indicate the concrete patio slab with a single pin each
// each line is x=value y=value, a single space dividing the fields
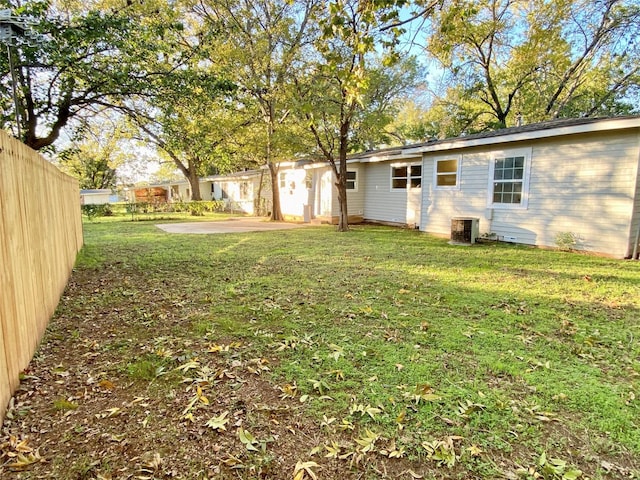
x=233 y=225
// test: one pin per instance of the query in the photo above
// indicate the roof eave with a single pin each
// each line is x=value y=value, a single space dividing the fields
x=461 y=142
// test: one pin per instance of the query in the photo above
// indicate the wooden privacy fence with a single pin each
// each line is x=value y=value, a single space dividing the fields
x=40 y=236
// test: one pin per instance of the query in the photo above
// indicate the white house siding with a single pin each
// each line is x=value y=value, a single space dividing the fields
x=324 y=193
x=635 y=225
x=236 y=200
x=439 y=206
x=95 y=198
x=206 y=191
x=581 y=184
x=585 y=185
x=381 y=203
x=179 y=192
x=355 y=198
x=294 y=191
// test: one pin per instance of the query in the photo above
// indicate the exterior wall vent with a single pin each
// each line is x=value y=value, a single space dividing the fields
x=464 y=230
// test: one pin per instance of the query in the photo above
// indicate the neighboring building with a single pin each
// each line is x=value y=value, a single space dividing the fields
x=97 y=197
x=246 y=192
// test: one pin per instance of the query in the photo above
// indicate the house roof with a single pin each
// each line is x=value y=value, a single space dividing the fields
x=551 y=128
x=96 y=191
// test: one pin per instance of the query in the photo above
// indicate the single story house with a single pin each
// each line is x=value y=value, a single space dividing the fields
x=539 y=184
x=532 y=184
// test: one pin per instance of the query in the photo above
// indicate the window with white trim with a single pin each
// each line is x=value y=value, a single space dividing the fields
x=406 y=176
x=283 y=180
x=447 y=172
x=508 y=177
x=352 y=180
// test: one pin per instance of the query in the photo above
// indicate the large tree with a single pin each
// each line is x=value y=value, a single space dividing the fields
x=261 y=49
x=94 y=157
x=540 y=59
x=346 y=91
x=189 y=121
x=84 y=57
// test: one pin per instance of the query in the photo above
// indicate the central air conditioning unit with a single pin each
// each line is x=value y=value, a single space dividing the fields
x=464 y=230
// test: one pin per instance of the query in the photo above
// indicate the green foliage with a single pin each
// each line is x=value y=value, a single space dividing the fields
x=346 y=94
x=87 y=58
x=507 y=60
x=95 y=154
x=264 y=45
x=93 y=211
x=64 y=405
x=195 y=208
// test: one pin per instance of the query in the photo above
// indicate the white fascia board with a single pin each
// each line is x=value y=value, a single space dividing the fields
x=163 y=184
x=315 y=165
x=404 y=155
x=282 y=165
x=458 y=143
x=239 y=175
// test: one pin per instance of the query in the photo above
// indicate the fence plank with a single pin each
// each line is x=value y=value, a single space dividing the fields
x=40 y=236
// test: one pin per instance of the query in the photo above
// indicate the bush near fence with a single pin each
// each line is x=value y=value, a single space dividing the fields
x=196 y=208
x=40 y=236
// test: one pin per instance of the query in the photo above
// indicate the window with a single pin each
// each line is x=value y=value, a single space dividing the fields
x=447 y=172
x=308 y=180
x=508 y=179
x=508 y=175
x=283 y=180
x=406 y=176
x=352 y=180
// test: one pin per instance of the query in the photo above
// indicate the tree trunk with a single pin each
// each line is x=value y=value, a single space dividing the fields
x=341 y=184
x=276 y=210
x=194 y=181
x=343 y=216
x=257 y=201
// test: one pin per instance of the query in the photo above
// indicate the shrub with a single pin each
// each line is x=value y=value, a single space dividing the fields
x=567 y=240
x=197 y=208
x=94 y=211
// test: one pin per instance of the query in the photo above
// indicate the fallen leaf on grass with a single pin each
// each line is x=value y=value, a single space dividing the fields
x=233 y=462
x=412 y=473
x=367 y=441
x=218 y=423
x=248 y=440
x=22 y=461
x=190 y=365
x=106 y=384
x=302 y=469
x=110 y=412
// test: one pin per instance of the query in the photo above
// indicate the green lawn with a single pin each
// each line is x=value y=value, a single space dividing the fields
x=391 y=353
